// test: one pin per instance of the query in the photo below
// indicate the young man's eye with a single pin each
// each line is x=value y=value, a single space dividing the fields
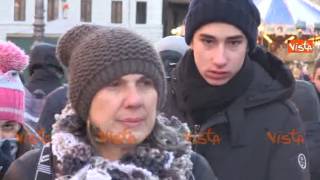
x=206 y=41
x=235 y=43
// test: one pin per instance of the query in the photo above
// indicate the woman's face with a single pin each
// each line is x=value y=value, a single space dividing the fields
x=125 y=110
x=8 y=129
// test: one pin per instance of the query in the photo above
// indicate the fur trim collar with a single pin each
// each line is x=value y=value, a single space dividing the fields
x=76 y=160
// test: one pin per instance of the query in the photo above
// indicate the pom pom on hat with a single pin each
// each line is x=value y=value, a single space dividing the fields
x=71 y=39
x=12 y=57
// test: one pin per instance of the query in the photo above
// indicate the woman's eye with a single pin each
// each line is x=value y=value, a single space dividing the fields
x=148 y=82
x=114 y=83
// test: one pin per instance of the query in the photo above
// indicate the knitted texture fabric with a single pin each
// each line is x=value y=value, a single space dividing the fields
x=243 y=14
x=12 y=57
x=96 y=56
x=12 y=60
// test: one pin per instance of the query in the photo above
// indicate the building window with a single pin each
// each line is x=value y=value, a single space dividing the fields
x=20 y=10
x=86 y=6
x=53 y=10
x=116 y=12
x=141 y=13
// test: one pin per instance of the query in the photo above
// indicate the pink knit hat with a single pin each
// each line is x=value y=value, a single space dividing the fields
x=12 y=60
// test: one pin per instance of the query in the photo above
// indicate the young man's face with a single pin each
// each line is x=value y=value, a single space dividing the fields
x=316 y=79
x=126 y=106
x=219 y=52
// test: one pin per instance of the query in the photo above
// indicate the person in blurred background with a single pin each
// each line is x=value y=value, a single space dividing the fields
x=300 y=71
x=316 y=76
x=54 y=103
x=46 y=74
x=45 y=71
x=306 y=99
x=13 y=134
x=171 y=50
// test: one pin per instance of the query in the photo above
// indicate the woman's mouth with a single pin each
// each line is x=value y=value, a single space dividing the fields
x=131 y=122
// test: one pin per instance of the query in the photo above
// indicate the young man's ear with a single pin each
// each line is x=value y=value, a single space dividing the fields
x=191 y=45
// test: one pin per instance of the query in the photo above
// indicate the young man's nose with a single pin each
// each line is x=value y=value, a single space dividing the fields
x=219 y=57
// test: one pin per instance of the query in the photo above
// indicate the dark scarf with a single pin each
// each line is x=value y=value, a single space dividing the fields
x=200 y=99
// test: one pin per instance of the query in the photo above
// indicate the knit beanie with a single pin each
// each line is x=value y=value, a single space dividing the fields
x=97 y=55
x=43 y=55
x=12 y=60
x=241 y=13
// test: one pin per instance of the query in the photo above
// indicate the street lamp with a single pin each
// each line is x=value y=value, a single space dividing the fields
x=38 y=25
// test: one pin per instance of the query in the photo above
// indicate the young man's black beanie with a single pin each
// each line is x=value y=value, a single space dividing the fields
x=241 y=13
